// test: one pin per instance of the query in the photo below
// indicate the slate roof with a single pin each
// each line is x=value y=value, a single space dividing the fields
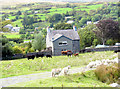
x=70 y=33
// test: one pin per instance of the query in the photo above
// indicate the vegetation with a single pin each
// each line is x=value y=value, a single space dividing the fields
x=108 y=74
x=39 y=42
x=73 y=80
x=107 y=29
x=24 y=66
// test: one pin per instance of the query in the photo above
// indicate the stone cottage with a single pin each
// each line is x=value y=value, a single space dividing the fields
x=62 y=40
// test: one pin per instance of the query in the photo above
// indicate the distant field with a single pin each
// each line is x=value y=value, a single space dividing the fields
x=12 y=35
x=52 y=11
x=18 y=22
x=88 y=8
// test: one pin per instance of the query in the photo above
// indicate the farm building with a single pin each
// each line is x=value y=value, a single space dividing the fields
x=9 y=26
x=15 y=29
x=62 y=40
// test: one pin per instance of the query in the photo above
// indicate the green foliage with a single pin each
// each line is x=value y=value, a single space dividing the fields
x=107 y=74
x=17 y=50
x=39 y=41
x=19 y=13
x=95 y=42
x=110 y=42
x=54 y=18
x=87 y=36
x=7 y=51
x=107 y=29
x=63 y=26
x=4 y=23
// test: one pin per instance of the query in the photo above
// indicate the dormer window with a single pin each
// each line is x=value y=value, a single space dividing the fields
x=63 y=43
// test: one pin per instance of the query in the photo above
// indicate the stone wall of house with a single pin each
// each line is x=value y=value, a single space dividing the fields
x=48 y=42
x=57 y=48
x=75 y=46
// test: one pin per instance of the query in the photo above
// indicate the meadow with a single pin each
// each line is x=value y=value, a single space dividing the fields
x=12 y=35
x=24 y=66
x=89 y=7
x=87 y=79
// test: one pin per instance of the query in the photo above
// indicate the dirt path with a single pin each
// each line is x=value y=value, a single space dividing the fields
x=4 y=82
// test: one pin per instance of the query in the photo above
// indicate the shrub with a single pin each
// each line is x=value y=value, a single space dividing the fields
x=107 y=74
x=110 y=42
x=17 y=50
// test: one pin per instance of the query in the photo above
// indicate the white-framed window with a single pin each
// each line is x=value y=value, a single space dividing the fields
x=62 y=43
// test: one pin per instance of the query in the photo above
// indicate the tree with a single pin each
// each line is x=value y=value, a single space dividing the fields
x=7 y=50
x=87 y=36
x=19 y=13
x=107 y=29
x=62 y=26
x=39 y=42
x=54 y=18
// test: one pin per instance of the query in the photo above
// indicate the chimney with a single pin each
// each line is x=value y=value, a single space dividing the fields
x=48 y=29
x=74 y=28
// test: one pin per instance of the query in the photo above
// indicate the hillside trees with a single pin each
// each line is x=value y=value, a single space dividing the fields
x=28 y=22
x=107 y=29
x=54 y=18
x=63 y=26
x=39 y=42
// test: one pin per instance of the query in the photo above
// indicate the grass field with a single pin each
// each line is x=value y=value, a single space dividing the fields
x=88 y=8
x=12 y=35
x=87 y=79
x=18 y=22
x=24 y=66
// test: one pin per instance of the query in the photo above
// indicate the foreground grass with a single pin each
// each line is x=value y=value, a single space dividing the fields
x=24 y=66
x=87 y=79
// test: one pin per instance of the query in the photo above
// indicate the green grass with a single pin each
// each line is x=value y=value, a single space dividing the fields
x=59 y=10
x=24 y=66
x=18 y=22
x=12 y=35
x=87 y=79
x=11 y=17
x=88 y=8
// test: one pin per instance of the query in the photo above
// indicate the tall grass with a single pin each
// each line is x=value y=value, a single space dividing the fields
x=108 y=74
x=24 y=66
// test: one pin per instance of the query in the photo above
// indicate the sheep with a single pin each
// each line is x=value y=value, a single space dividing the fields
x=65 y=70
x=56 y=72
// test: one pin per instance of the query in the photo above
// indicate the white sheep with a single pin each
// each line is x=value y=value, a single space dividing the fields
x=65 y=70
x=56 y=72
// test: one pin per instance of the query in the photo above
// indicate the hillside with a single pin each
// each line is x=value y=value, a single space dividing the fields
x=14 y=2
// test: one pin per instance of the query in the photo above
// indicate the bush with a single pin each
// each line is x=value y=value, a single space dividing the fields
x=17 y=50
x=110 y=42
x=107 y=74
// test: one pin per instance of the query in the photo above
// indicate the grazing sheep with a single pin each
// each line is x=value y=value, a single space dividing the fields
x=56 y=72
x=65 y=70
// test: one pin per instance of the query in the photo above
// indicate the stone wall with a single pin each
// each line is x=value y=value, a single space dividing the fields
x=111 y=48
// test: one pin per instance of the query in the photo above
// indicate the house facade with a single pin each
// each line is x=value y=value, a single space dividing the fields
x=62 y=40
